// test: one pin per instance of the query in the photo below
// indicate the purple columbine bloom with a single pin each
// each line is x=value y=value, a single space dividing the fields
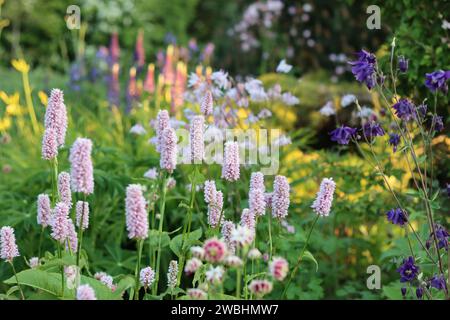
x=438 y=123
x=397 y=216
x=437 y=80
x=402 y=64
x=364 y=68
x=372 y=129
x=404 y=109
x=442 y=237
x=343 y=134
x=394 y=140
x=419 y=293
x=408 y=270
x=438 y=282
x=422 y=110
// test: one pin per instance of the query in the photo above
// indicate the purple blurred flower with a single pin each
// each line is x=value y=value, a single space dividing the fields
x=372 y=129
x=408 y=270
x=437 y=80
x=419 y=293
x=438 y=123
x=441 y=235
x=343 y=134
x=403 y=64
x=364 y=68
x=394 y=140
x=438 y=282
x=404 y=109
x=397 y=216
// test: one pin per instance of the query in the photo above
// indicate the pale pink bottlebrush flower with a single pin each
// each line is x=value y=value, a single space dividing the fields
x=72 y=237
x=8 y=246
x=260 y=287
x=162 y=123
x=268 y=196
x=248 y=219
x=85 y=292
x=49 y=144
x=136 y=213
x=215 y=250
x=210 y=191
x=65 y=194
x=278 y=268
x=147 y=277
x=82 y=171
x=168 y=150
x=257 y=203
x=44 y=211
x=172 y=274
x=56 y=115
x=106 y=279
x=227 y=228
x=230 y=166
x=215 y=210
x=192 y=265
x=280 y=198
x=82 y=213
x=60 y=226
x=196 y=139
x=206 y=107
x=197 y=294
x=324 y=199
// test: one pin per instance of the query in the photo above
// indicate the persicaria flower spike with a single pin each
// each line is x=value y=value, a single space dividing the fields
x=215 y=210
x=82 y=172
x=210 y=191
x=257 y=204
x=147 y=277
x=65 y=194
x=280 y=198
x=82 y=214
x=230 y=166
x=85 y=292
x=324 y=198
x=136 y=213
x=56 y=116
x=172 y=274
x=8 y=246
x=197 y=142
x=227 y=227
x=278 y=268
x=168 y=150
x=44 y=211
x=206 y=107
x=248 y=219
x=72 y=237
x=162 y=123
x=60 y=226
x=49 y=144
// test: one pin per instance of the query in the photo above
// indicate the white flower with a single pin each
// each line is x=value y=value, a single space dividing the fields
x=242 y=236
x=283 y=67
x=215 y=275
x=233 y=261
x=347 y=100
x=220 y=79
x=198 y=252
x=445 y=25
x=255 y=89
x=328 y=109
x=151 y=174
x=138 y=129
x=254 y=254
x=365 y=112
x=289 y=99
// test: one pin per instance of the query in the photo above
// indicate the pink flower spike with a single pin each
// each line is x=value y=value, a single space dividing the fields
x=248 y=219
x=82 y=171
x=227 y=228
x=324 y=199
x=215 y=210
x=72 y=237
x=82 y=210
x=230 y=166
x=49 y=144
x=44 y=211
x=85 y=292
x=8 y=246
x=210 y=191
x=168 y=150
x=257 y=203
x=280 y=198
x=197 y=142
x=136 y=213
x=65 y=194
x=147 y=277
x=206 y=107
x=56 y=116
x=60 y=226
x=161 y=125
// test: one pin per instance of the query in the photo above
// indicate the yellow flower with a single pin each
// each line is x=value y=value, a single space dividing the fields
x=43 y=97
x=12 y=103
x=20 y=65
x=5 y=123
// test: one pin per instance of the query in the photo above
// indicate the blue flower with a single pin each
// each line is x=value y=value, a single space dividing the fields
x=397 y=216
x=419 y=292
x=441 y=236
x=372 y=129
x=343 y=134
x=404 y=109
x=394 y=140
x=402 y=64
x=408 y=270
x=437 y=80
x=438 y=282
x=364 y=68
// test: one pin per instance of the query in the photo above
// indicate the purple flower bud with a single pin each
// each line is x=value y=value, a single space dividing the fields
x=402 y=64
x=397 y=216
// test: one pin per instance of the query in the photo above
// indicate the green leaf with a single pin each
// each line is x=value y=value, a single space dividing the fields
x=308 y=256
x=175 y=245
x=153 y=237
x=48 y=282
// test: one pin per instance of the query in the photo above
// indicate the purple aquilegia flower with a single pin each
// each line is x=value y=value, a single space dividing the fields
x=422 y=110
x=372 y=129
x=394 y=140
x=403 y=291
x=403 y=64
x=397 y=216
x=437 y=80
x=343 y=134
x=441 y=235
x=438 y=282
x=438 y=123
x=364 y=68
x=404 y=109
x=419 y=293
x=408 y=270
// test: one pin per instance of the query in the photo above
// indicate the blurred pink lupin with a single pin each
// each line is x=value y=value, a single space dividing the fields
x=149 y=83
x=82 y=172
x=206 y=107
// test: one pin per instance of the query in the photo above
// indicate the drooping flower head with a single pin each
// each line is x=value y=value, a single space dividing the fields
x=44 y=211
x=81 y=170
x=215 y=250
x=8 y=246
x=198 y=252
x=278 y=268
x=230 y=166
x=162 y=123
x=397 y=216
x=437 y=80
x=206 y=107
x=254 y=254
x=147 y=277
x=197 y=294
x=215 y=210
x=49 y=144
x=280 y=197
x=403 y=64
x=372 y=129
x=324 y=199
x=172 y=274
x=82 y=214
x=364 y=68
x=136 y=213
x=168 y=150
x=65 y=194
x=60 y=225
x=192 y=265
x=394 y=140
x=408 y=270
x=442 y=237
x=343 y=134
x=260 y=287
x=438 y=282
x=242 y=236
x=85 y=292
x=405 y=109
x=257 y=203
x=56 y=116
x=248 y=219
x=197 y=142
x=215 y=275
x=233 y=261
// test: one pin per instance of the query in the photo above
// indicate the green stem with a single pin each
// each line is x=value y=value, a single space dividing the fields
x=17 y=280
x=80 y=232
x=160 y=228
x=41 y=239
x=270 y=236
x=140 y=245
x=62 y=270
